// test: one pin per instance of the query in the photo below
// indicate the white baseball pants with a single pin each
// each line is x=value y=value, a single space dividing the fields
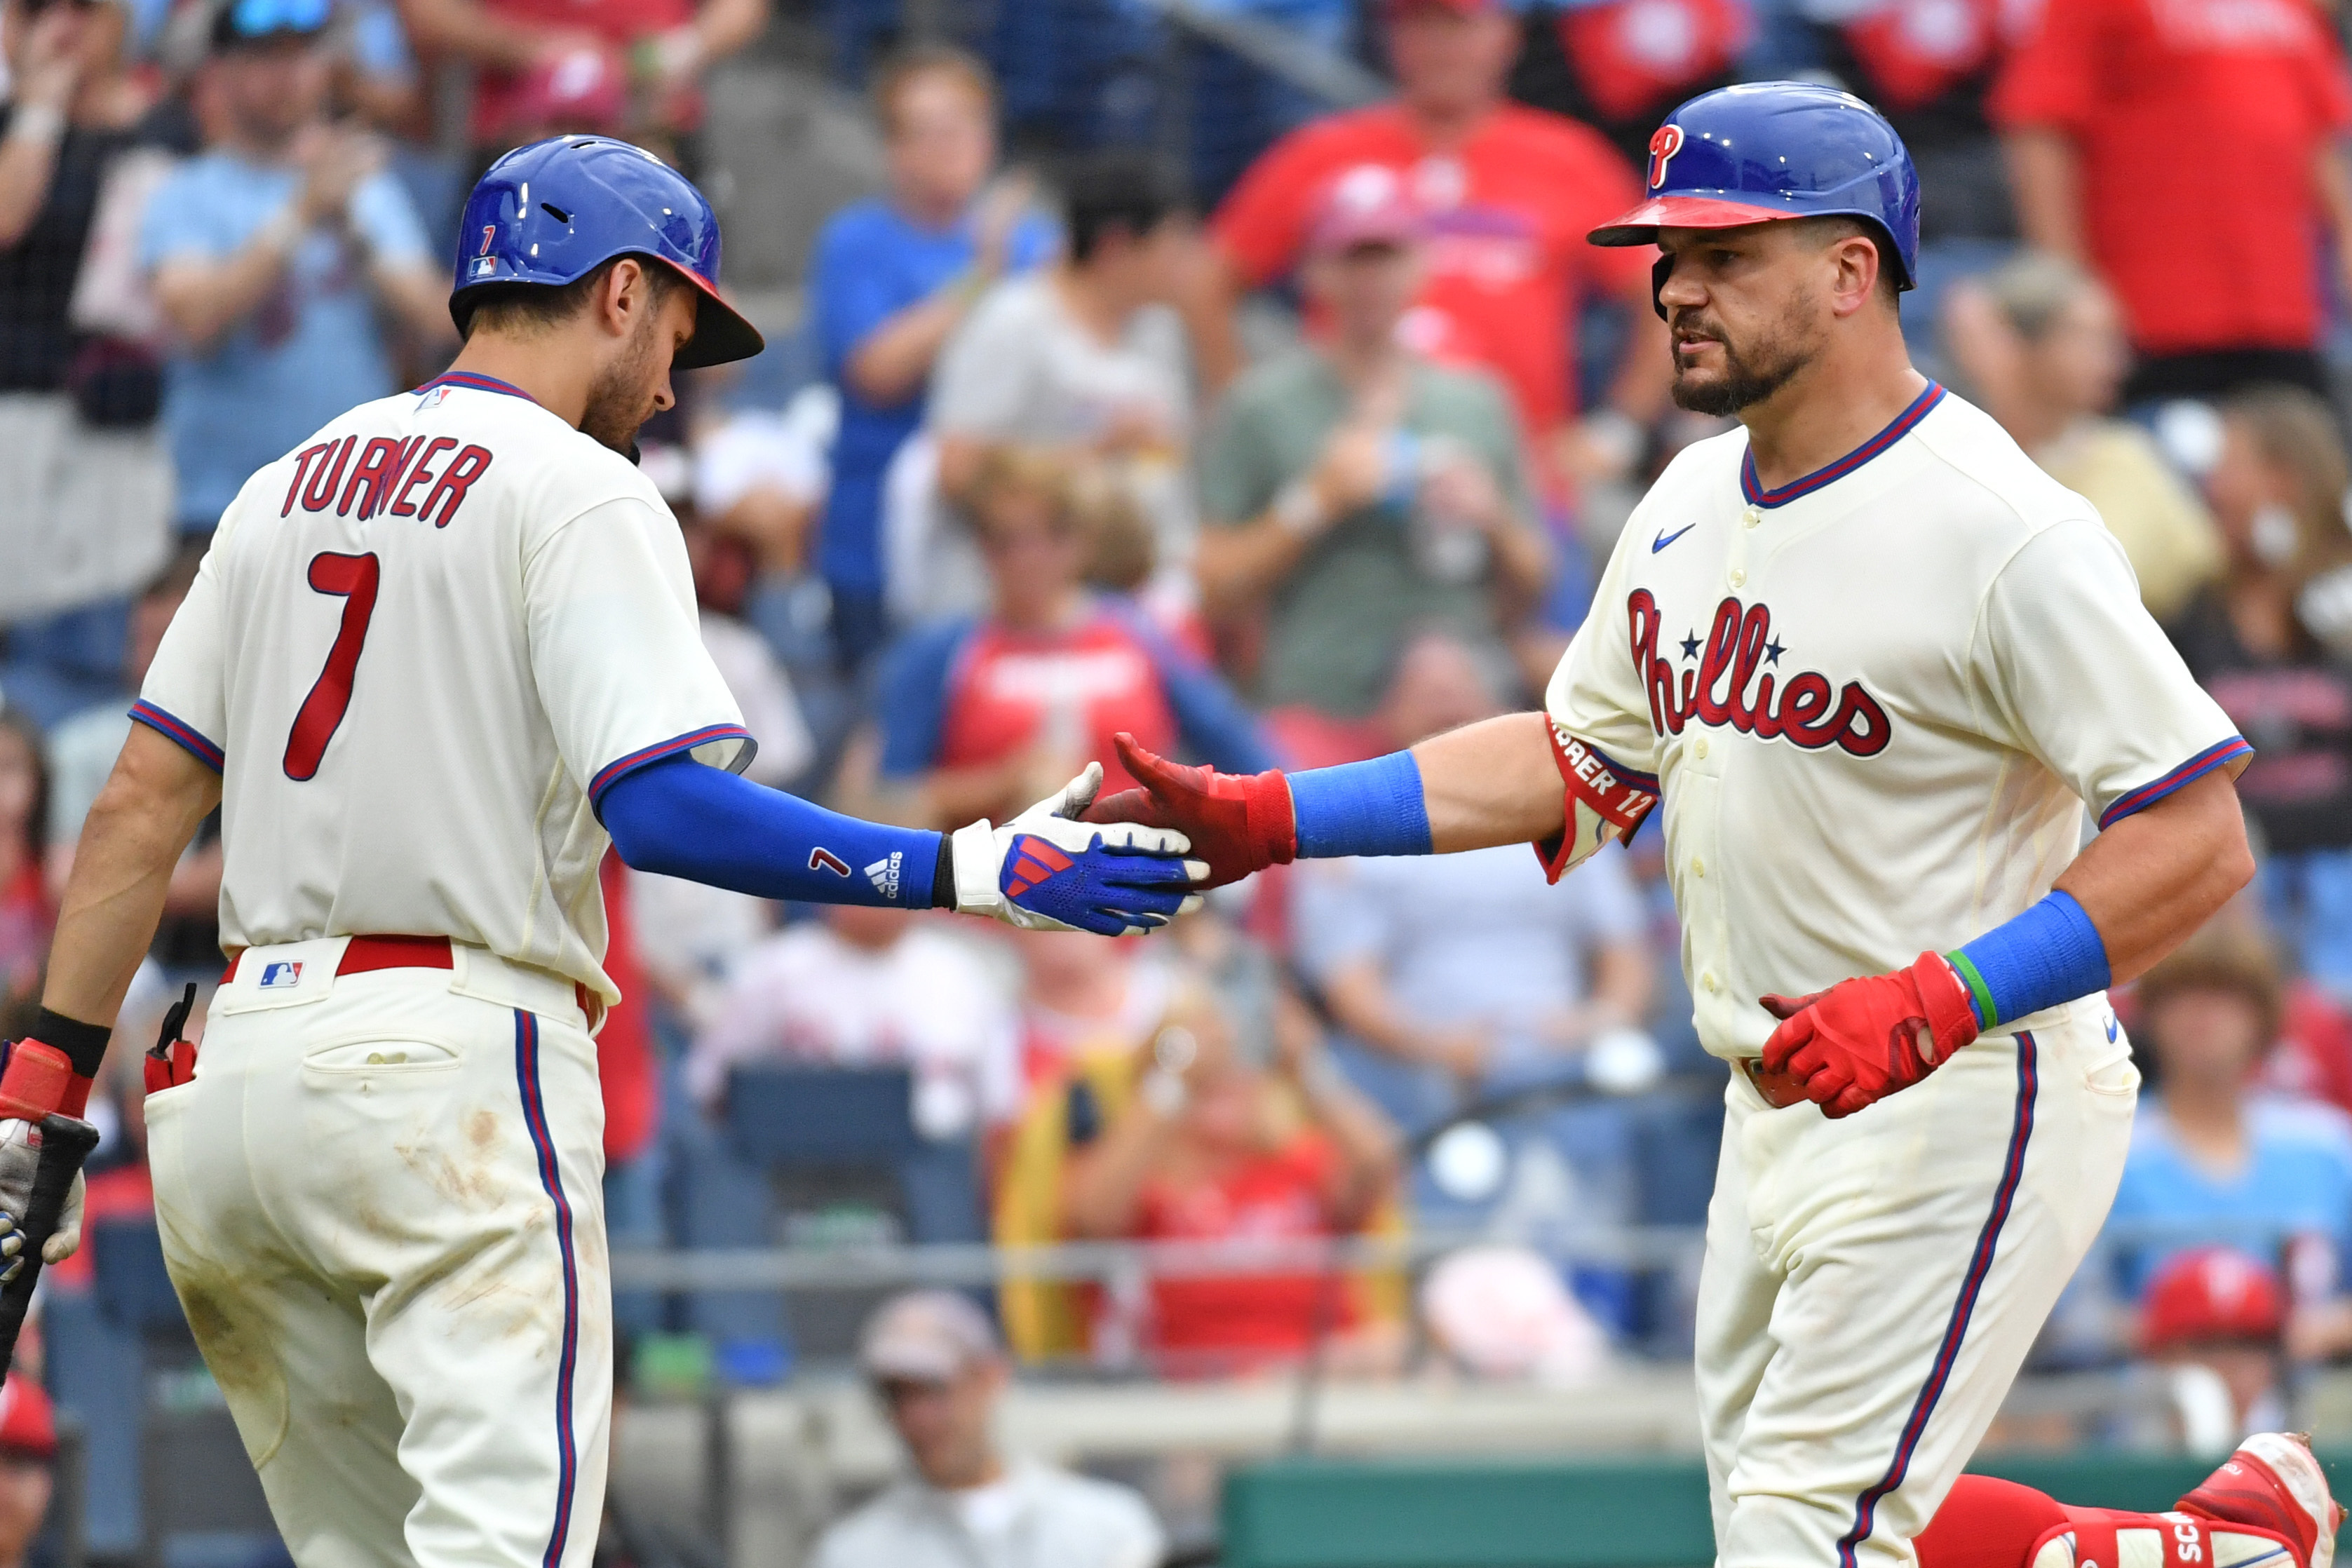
x=1873 y=1285
x=380 y=1202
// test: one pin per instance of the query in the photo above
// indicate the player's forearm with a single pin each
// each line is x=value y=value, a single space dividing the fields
x=679 y=818
x=1103 y=1194
x=2150 y=880
x=1491 y=783
x=142 y=819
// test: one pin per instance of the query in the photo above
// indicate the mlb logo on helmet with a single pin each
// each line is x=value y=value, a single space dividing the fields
x=1665 y=143
x=280 y=976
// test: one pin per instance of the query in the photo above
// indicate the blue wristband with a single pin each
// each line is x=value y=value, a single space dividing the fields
x=2048 y=954
x=1361 y=808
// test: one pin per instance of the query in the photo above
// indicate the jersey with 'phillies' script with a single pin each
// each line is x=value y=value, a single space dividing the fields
x=1874 y=702
x=419 y=650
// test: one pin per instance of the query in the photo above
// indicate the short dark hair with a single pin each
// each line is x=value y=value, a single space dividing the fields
x=530 y=307
x=1127 y=192
x=904 y=65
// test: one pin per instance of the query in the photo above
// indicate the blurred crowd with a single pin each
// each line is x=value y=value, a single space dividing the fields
x=1289 y=456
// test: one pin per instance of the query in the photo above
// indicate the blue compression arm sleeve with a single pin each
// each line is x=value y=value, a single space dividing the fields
x=2048 y=954
x=681 y=819
x=1361 y=808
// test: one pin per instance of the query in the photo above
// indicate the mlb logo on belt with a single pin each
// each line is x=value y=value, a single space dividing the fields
x=283 y=976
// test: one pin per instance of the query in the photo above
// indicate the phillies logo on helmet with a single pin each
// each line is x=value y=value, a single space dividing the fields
x=1665 y=143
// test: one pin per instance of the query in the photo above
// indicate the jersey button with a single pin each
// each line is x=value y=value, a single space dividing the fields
x=1739 y=576
x=1706 y=981
x=1701 y=748
x=1752 y=516
x=1698 y=866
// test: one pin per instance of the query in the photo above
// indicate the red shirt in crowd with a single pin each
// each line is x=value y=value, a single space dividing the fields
x=626 y=1064
x=1226 y=1323
x=1507 y=213
x=1097 y=680
x=510 y=103
x=2198 y=123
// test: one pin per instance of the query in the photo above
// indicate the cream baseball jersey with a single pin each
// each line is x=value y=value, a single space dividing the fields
x=1874 y=702
x=419 y=650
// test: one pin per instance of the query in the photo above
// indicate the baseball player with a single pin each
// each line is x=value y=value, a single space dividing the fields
x=1873 y=664
x=433 y=660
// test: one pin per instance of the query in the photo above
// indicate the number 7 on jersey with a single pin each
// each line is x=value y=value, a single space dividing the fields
x=353 y=579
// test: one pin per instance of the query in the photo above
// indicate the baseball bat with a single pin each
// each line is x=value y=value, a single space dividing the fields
x=66 y=1142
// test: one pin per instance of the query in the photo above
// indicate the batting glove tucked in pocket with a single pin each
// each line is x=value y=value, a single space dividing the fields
x=1045 y=871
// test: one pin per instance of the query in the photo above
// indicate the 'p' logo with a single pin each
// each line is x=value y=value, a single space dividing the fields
x=1665 y=143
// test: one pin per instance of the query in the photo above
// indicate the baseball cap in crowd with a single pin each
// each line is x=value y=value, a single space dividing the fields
x=1367 y=205
x=28 y=1424
x=2211 y=1293
x=925 y=1336
x=257 y=21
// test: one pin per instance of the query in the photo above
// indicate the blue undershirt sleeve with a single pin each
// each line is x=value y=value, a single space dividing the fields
x=679 y=818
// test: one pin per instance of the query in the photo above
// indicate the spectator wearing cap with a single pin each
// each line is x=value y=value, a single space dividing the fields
x=2213 y=1162
x=86 y=511
x=274 y=254
x=2190 y=150
x=1354 y=489
x=2225 y=1311
x=934 y=1363
x=1089 y=358
x=629 y=68
x=2041 y=343
x=29 y=1459
x=1509 y=192
x=982 y=714
x=891 y=280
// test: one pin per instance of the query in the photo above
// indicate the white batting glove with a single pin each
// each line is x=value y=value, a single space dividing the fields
x=19 y=1157
x=1043 y=871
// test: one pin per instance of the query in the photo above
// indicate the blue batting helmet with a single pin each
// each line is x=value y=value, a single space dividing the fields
x=1775 y=149
x=555 y=210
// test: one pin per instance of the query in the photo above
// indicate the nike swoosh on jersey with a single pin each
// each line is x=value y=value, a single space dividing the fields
x=1663 y=540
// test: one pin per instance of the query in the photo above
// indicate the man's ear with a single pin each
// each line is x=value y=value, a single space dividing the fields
x=626 y=295
x=1856 y=259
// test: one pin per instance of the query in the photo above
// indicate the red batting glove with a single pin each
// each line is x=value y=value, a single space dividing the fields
x=1861 y=1040
x=1238 y=822
x=40 y=1078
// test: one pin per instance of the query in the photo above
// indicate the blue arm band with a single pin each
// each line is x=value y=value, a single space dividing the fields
x=682 y=819
x=1361 y=808
x=2048 y=954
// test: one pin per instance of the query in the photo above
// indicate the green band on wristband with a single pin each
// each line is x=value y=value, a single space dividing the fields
x=1979 y=992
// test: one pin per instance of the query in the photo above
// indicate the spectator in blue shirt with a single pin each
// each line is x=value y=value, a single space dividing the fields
x=975 y=710
x=2210 y=1162
x=273 y=254
x=891 y=280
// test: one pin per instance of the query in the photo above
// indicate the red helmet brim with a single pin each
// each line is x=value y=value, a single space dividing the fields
x=720 y=331
x=1640 y=226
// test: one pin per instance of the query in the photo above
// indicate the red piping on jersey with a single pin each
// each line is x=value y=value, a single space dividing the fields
x=2189 y=772
x=178 y=731
x=475 y=380
x=1921 y=406
x=612 y=772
